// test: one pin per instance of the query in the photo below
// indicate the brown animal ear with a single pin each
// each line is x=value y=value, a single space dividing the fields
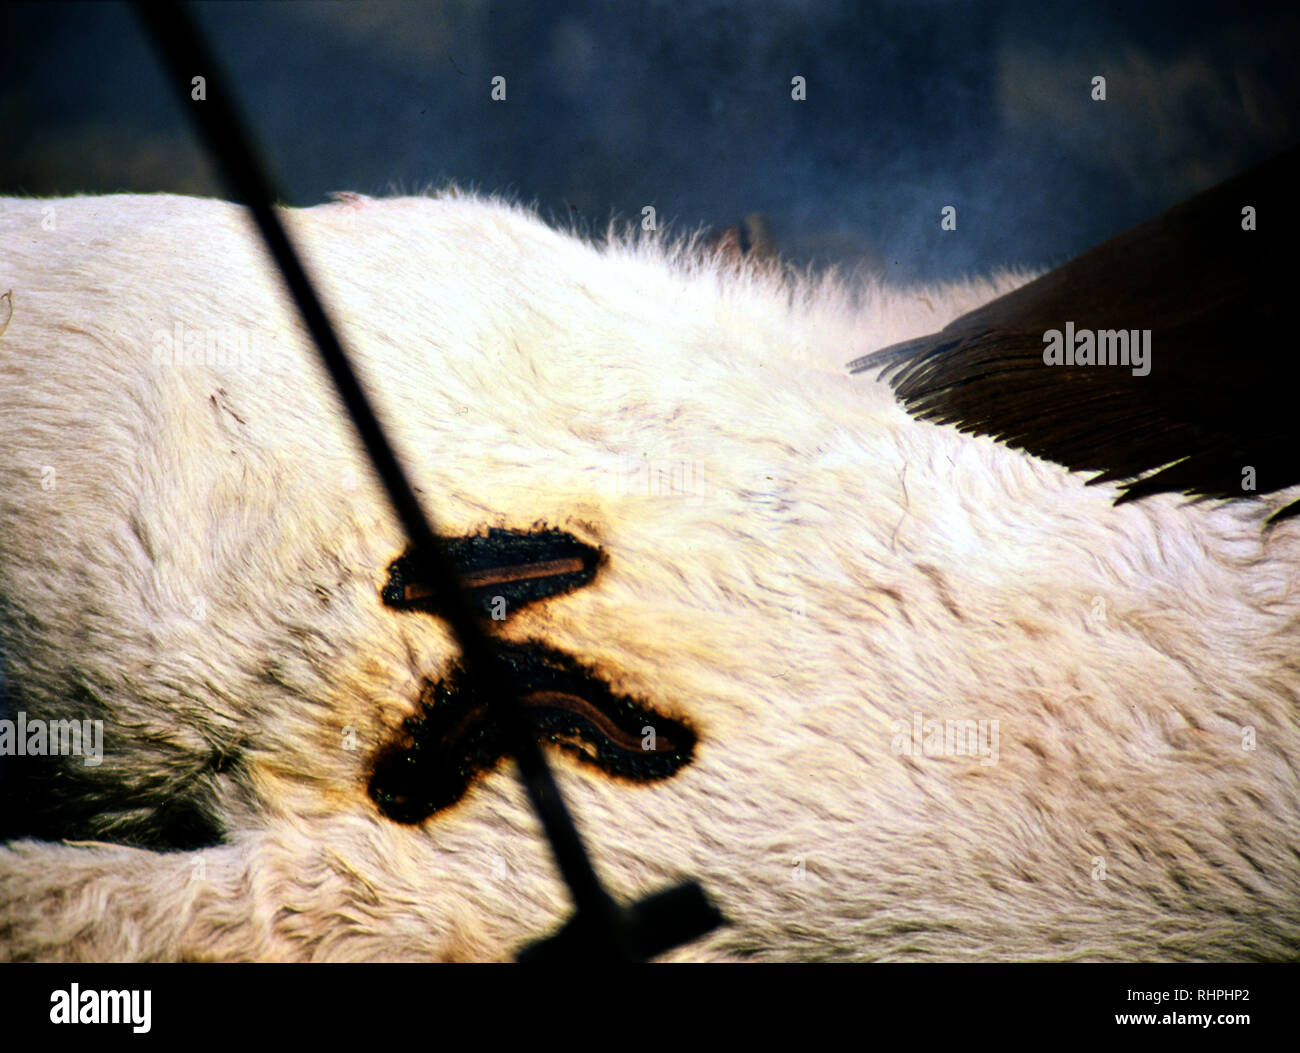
x=1212 y=280
x=750 y=239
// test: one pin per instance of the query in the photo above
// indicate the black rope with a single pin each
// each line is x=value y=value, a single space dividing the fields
x=599 y=929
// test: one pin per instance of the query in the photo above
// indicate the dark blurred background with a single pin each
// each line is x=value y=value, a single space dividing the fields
x=911 y=106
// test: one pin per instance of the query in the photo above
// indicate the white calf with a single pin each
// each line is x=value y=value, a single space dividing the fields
x=919 y=695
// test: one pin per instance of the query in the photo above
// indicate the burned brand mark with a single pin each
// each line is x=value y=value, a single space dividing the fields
x=504 y=569
x=459 y=734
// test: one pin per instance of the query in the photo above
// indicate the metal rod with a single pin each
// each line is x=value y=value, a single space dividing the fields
x=185 y=53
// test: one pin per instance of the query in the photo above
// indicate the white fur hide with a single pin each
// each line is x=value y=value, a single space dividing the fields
x=192 y=550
